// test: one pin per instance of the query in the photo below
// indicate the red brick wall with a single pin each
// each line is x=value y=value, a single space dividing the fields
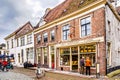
x=102 y=58
x=97 y=25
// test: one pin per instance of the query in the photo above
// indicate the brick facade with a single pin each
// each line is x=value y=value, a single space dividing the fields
x=98 y=27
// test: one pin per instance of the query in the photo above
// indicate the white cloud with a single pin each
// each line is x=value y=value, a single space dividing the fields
x=16 y=13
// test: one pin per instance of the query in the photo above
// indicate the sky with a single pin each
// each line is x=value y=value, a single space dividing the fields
x=15 y=13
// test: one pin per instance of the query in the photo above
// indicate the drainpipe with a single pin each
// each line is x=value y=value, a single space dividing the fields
x=105 y=38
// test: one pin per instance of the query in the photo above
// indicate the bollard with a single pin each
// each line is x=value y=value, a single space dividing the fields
x=97 y=70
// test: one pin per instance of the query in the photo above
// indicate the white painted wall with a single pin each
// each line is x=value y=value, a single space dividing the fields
x=113 y=36
x=16 y=50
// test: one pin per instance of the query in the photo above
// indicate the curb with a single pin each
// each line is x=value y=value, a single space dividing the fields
x=114 y=73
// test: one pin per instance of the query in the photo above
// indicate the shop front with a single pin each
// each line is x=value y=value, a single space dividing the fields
x=42 y=54
x=69 y=57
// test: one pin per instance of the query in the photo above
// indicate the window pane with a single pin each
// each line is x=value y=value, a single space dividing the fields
x=83 y=33
x=88 y=20
x=88 y=32
x=82 y=21
x=88 y=26
x=83 y=28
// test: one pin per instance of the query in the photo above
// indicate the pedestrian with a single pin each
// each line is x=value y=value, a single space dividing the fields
x=4 y=64
x=88 y=64
x=0 y=64
x=82 y=64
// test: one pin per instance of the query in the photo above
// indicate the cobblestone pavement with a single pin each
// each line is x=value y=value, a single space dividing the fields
x=22 y=74
x=13 y=76
x=52 y=75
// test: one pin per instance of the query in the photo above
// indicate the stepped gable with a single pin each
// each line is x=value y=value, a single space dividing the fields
x=65 y=8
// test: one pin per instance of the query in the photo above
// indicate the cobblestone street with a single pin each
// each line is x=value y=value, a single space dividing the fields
x=13 y=76
x=48 y=76
x=27 y=74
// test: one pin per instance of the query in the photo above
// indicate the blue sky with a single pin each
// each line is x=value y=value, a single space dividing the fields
x=15 y=13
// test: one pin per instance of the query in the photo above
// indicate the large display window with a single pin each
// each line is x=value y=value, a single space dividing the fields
x=88 y=51
x=65 y=56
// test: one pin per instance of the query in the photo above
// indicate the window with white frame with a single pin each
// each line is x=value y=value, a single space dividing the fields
x=12 y=43
x=22 y=39
x=65 y=31
x=52 y=33
x=17 y=42
x=7 y=44
x=38 y=39
x=45 y=37
x=29 y=39
x=85 y=26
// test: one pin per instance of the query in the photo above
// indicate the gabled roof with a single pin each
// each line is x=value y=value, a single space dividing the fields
x=16 y=31
x=65 y=8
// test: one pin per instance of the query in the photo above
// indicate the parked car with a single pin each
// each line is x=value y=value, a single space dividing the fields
x=28 y=64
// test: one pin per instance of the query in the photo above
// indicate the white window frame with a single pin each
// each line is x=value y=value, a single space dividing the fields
x=88 y=16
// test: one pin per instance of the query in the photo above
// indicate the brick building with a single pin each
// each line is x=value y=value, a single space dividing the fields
x=73 y=29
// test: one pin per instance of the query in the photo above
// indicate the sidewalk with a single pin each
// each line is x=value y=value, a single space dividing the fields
x=72 y=73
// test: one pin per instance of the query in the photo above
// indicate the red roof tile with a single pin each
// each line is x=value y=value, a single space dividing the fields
x=67 y=7
x=57 y=11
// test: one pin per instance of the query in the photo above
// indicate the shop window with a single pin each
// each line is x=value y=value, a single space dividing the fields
x=65 y=56
x=74 y=50
x=85 y=27
x=45 y=55
x=88 y=48
x=88 y=51
x=39 y=50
